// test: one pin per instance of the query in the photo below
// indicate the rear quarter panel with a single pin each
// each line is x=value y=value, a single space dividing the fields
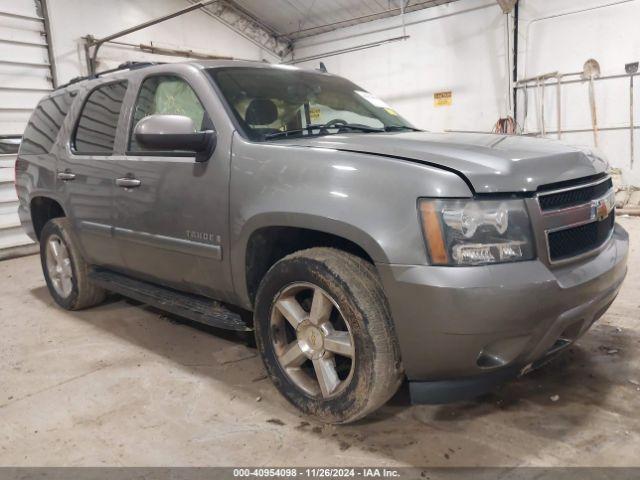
x=37 y=161
x=35 y=176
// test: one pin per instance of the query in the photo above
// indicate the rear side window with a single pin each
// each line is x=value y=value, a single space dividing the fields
x=96 y=130
x=45 y=123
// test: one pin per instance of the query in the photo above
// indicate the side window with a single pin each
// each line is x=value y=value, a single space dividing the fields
x=166 y=95
x=45 y=123
x=96 y=130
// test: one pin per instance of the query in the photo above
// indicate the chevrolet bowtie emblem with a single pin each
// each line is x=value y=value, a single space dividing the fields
x=602 y=207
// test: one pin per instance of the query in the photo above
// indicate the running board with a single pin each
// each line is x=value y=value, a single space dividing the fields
x=194 y=307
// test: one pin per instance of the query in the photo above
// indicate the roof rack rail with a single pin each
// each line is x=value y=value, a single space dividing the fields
x=123 y=66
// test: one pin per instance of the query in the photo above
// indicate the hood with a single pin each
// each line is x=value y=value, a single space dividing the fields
x=490 y=163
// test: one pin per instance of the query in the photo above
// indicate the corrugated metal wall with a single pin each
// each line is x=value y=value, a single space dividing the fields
x=25 y=76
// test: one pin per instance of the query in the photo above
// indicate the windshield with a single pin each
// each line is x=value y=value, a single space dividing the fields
x=276 y=103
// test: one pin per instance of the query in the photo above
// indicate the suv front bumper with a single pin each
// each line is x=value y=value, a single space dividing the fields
x=461 y=330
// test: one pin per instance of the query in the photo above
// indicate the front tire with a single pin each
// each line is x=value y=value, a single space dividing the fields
x=65 y=271
x=325 y=333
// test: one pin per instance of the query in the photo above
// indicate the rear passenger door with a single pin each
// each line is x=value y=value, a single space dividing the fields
x=169 y=226
x=85 y=172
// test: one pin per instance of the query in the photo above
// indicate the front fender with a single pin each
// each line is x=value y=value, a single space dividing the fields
x=369 y=200
x=296 y=220
x=313 y=222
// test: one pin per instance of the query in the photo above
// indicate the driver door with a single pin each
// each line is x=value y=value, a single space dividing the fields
x=171 y=210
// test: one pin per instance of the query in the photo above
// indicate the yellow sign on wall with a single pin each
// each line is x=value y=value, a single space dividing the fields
x=314 y=114
x=442 y=99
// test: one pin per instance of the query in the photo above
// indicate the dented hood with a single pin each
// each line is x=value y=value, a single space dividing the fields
x=490 y=163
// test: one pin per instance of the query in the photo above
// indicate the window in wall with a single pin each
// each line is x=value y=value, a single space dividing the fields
x=167 y=95
x=45 y=123
x=96 y=130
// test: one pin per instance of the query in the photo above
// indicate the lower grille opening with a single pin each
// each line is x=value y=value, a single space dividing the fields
x=575 y=241
x=567 y=337
x=572 y=332
x=559 y=345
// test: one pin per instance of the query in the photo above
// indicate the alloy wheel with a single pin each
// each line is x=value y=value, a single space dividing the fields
x=59 y=266
x=312 y=340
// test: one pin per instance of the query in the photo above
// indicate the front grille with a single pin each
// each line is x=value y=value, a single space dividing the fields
x=578 y=240
x=570 y=198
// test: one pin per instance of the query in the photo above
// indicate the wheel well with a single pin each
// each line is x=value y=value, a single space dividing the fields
x=44 y=209
x=268 y=245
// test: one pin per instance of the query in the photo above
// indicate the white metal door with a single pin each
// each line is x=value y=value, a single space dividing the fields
x=25 y=76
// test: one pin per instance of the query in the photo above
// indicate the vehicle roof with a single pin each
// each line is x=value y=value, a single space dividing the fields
x=125 y=71
x=234 y=63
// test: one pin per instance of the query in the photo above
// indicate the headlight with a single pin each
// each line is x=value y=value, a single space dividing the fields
x=475 y=232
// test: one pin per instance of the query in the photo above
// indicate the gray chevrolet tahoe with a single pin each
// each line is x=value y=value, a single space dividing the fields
x=293 y=204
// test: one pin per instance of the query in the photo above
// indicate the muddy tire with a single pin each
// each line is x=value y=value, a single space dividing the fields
x=324 y=330
x=65 y=271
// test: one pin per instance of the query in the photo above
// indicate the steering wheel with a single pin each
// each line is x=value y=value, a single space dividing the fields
x=333 y=123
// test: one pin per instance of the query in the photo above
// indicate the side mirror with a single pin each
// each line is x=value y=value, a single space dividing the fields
x=175 y=132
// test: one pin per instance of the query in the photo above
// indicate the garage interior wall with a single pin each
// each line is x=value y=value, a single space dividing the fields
x=192 y=31
x=462 y=47
x=25 y=77
x=70 y=20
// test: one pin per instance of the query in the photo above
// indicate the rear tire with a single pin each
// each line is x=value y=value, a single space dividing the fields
x=65 y=271
x=341 y=361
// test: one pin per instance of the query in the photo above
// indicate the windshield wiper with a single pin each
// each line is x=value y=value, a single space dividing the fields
x=358 y=126
x=285 y=133
x=395 y=128
x=323 y=126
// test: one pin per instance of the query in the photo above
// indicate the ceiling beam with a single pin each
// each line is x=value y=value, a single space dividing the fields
x=507 y=5
x=408 y=7
x=249 y=26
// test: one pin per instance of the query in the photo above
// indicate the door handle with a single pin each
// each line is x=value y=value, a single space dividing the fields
x=128 y=182
x=66 y=176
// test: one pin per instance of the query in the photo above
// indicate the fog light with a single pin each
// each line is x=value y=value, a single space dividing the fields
x=502 y=352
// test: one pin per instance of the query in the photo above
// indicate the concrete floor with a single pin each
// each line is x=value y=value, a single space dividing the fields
x=125 y=385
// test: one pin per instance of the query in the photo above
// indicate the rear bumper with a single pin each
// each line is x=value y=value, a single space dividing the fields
x=478 y=326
